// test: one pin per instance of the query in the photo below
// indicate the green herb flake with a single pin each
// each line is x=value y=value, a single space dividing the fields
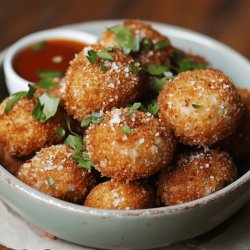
x=83 y=161
x=104 y=55
x=60 y=132
x=50 y=73
x=132 y=108
x=146 y=44
x=134 y=67
x=38 y=46
x=31 y=92
x=92 y=56
x=126 y=129
x=75 y=142
x=153 y=108
x=13 y=99
x=124 y=38
x=51 y=181
x=199 y=66
x=111 y=49
x=103 y=68
x=161 y=45
x=157 y=84
x=47 y=84
x=157 y=70
x=86 y=122
x=96 y=118
x=196 y=106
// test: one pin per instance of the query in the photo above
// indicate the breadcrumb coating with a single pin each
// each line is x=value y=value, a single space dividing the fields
x=21 y=134
x=145 y=57
x=195 y=175
x=53 y=172
x=89 y=89
x=129 y=156
x=201 y=106
x=121 y=196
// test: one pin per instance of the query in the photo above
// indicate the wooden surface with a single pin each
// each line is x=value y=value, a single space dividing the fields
x=225 y=20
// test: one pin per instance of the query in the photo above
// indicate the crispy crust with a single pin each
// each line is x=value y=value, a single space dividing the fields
x=121 y=156
x=195 y=175
x=118 y=196
x=152 y=56
x=89 y=89
x=71 y=182
x=218 y=112
x=21 y=134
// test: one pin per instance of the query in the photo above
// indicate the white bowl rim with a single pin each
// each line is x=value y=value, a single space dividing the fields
x=55 y=33
x=10 y=179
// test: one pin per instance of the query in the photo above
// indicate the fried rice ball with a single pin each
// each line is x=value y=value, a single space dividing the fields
x=120 y=196
x=53 y=172
x=129 y=146
x=154 y=53
x=21 y=134
x=238 y=144
x=102 y=85
x=195 y=175
x=201 y=106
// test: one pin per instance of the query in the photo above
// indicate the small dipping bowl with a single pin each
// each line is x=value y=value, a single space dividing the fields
x=15 y=82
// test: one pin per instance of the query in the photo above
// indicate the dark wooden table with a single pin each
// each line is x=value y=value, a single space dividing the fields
x=225 y=20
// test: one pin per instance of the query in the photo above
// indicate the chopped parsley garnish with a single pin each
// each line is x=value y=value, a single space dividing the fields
x=104 y=55
x=146 y=44
x=161 y=45
x=51 y=181
x=60 y=132
x=157 y=84
x=186 y=64
x=31 y=92
x=156 y=70
x=75 y=142
x=38 y=46
x=83 y=161
x=103 y=68
x=49 y=73
x=126 y=129
x=196 y=106
x=134 y=67
x=13 y=99
x=153 y=108
x=46 y=107
x=125 y=39
x=47 y=83
x=92 y=56
x=132 y=108
x=94 y=118
x=111 y=48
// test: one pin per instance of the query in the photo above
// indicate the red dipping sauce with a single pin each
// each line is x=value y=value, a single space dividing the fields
x=49 y=55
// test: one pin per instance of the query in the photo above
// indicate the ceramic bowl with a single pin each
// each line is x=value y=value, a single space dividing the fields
x=147 y=228
x=16 y=83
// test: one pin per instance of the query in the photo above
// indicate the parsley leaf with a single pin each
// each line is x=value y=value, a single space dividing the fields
x=96 y=117
x=31 y=92
x=186 y=64
x=104 y=55
x=131 y=109
x=51 y=181
x=83 y=161
x=13 y=99
x=49 y=73
x=156 y=70
x=92 y=56
x=103 y=68
x=86 y=122
x=75 y=142
x=47 y=83
x=157 y=84
x=126 y=129
x=147 y=44
x=161 y=45
x=60 y=132
x=153 y=108
x=134 y=67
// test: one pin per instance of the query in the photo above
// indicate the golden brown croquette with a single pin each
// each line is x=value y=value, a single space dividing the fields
x=201 y=106
x=195 y=175
x=158 y=50
x=129 y=147
x=99 y=86
x=21 y=134
x=53 y=172
x=238 y=144
x=118 y=196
